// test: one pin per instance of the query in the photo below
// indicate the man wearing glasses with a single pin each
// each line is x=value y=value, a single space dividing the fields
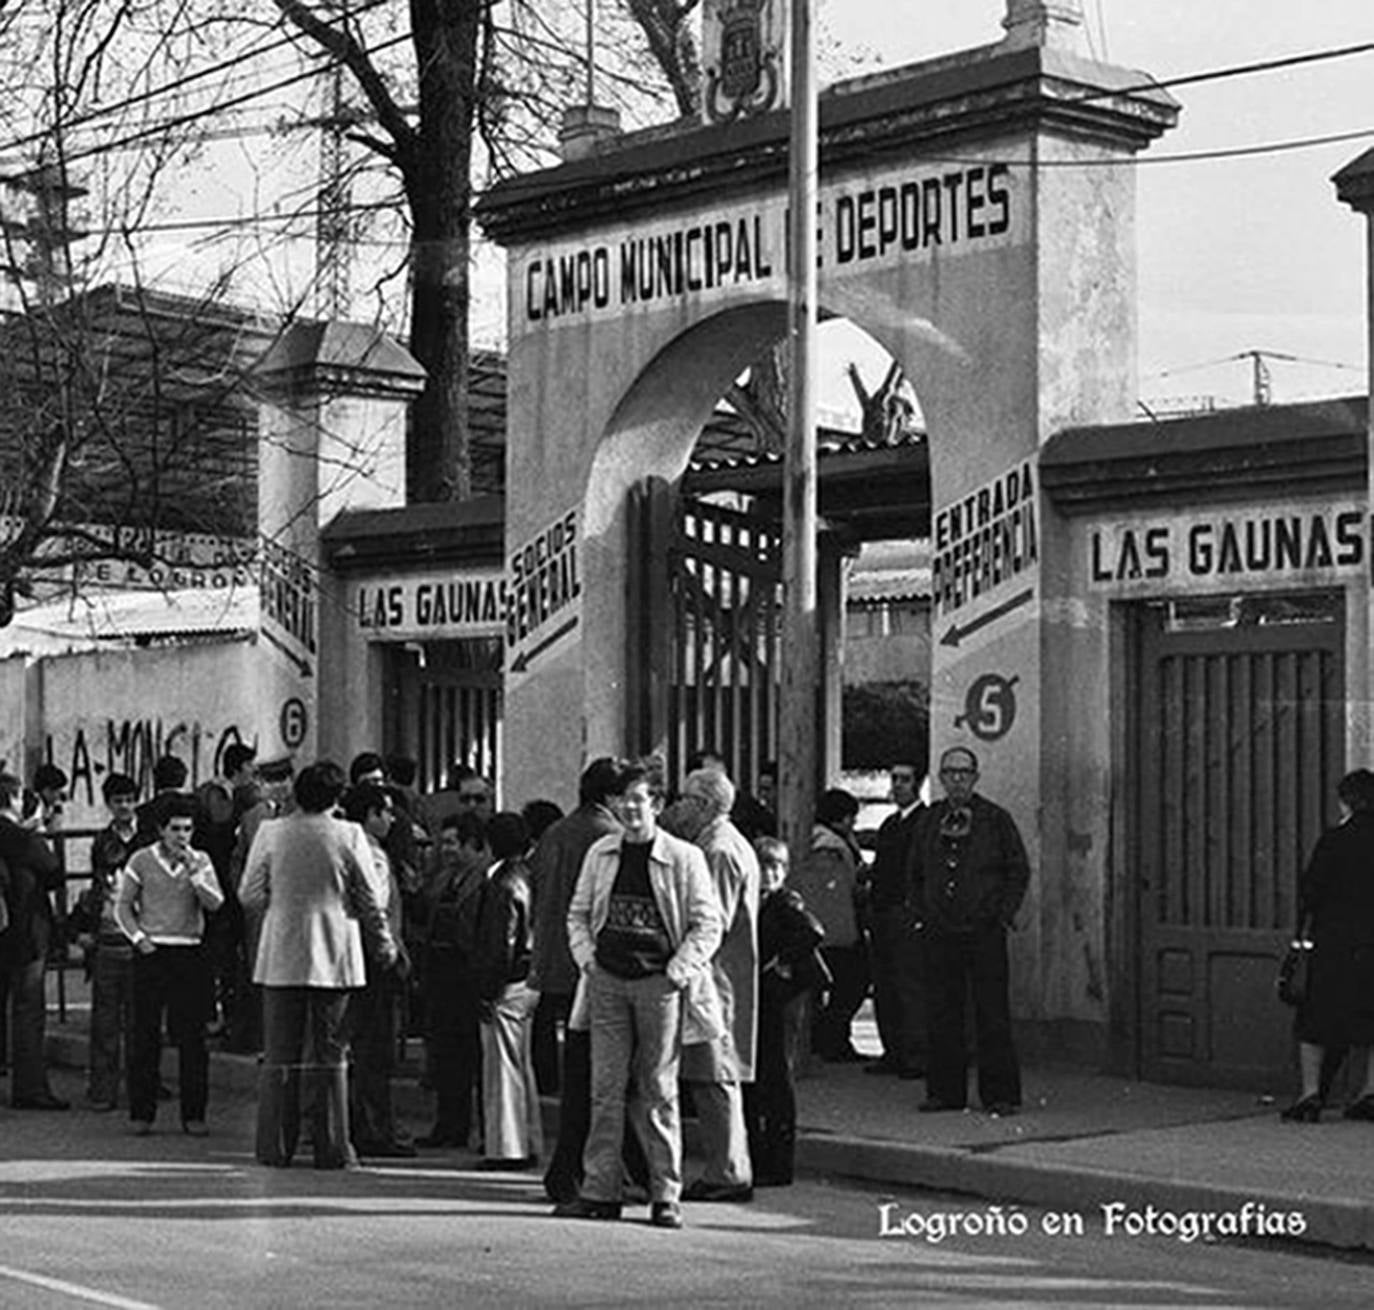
x=969 y=876
x=475 y=797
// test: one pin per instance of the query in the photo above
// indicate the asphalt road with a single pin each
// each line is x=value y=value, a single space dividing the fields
x=90 y=1215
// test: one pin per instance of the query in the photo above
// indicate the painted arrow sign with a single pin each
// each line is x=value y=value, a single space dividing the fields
x=956 y=634
x=526 y=657
x=299 y=661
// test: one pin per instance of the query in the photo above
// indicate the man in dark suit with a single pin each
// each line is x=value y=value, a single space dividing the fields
x=554 y=866
x=898 y=966
x=29 y=873
x=970 y=874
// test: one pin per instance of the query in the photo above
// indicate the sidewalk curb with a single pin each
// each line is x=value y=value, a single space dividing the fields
x=1347 y=1224
x=991 y=1175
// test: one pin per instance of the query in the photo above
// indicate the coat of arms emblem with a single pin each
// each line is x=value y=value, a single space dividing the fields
x=745 y=78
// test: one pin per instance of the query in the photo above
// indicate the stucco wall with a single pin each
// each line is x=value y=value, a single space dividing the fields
x=117 y=711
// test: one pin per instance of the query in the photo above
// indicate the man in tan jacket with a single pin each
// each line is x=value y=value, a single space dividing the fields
x=718 y=1070
x=309 y=876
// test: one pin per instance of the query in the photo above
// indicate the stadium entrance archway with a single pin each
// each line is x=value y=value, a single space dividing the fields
x=976 y=219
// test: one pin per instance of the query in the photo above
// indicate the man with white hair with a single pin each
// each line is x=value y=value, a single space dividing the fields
x=717 y=1070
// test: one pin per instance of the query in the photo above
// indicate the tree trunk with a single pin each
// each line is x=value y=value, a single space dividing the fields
x=438 y=180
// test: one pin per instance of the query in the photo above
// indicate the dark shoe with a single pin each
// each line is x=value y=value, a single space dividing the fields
x=508 y=1164
x=345 y=1159
x=195 y=1128
x=1002 y=1109
x=387 y=1150
x=582 y=1208
x=141 y=1127
x=666 y=1214
x=911 y=1073
x=934 y=1105
x=1305 y=1110
x=701 y=1190
x=1361 y=1109
x=560 y=1190
x=102 y=1107
x=45 y=1102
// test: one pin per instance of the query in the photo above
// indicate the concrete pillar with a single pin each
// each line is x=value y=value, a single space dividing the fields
x=332 y=414
x=585 y=129
x=830 y=594
x=1355 y=187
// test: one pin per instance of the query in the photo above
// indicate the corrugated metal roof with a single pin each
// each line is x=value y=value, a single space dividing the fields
x=889 y=571
x=890 y=585
x=104 y=618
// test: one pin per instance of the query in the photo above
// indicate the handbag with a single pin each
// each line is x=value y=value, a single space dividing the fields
x=1295 y=970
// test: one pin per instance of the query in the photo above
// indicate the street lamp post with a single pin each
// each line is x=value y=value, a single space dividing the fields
x=797 y=715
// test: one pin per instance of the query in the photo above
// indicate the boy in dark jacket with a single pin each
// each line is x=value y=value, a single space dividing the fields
x=450 y=988
x=112 y=976
x=505 y=938
x=789 y=969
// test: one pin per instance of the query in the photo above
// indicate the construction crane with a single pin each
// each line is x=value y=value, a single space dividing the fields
x=1262 y=382
x=333 y=252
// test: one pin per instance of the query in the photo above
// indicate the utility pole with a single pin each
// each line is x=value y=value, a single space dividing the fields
x=797 y=715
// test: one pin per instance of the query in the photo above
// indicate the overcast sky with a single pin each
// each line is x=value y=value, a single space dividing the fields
x=1235 y=254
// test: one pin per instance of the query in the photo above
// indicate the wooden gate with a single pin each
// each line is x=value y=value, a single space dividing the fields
x=706 y=609
x=1239 y=744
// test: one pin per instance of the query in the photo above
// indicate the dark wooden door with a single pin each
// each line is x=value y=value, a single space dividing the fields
x=1239 y=745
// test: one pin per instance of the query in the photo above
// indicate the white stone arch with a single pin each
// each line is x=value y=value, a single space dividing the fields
x=651 y=433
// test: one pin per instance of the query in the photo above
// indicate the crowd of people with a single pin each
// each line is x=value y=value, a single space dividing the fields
x=636 y=951
x=639 y=949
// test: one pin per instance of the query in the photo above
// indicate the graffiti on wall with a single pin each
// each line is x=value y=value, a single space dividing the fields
x=131 y=746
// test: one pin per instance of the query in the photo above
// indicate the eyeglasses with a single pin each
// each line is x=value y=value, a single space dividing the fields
x=471 y=797
x=949 y=772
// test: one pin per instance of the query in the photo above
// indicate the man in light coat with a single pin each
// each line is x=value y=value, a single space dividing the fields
x=309 y=876
x=643 y=925
x=717 y=1070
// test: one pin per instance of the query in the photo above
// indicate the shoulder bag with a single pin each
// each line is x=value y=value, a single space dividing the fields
x=1295 y=969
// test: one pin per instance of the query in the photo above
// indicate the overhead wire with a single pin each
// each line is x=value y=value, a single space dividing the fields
x=246 y=221
x=289 y=39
